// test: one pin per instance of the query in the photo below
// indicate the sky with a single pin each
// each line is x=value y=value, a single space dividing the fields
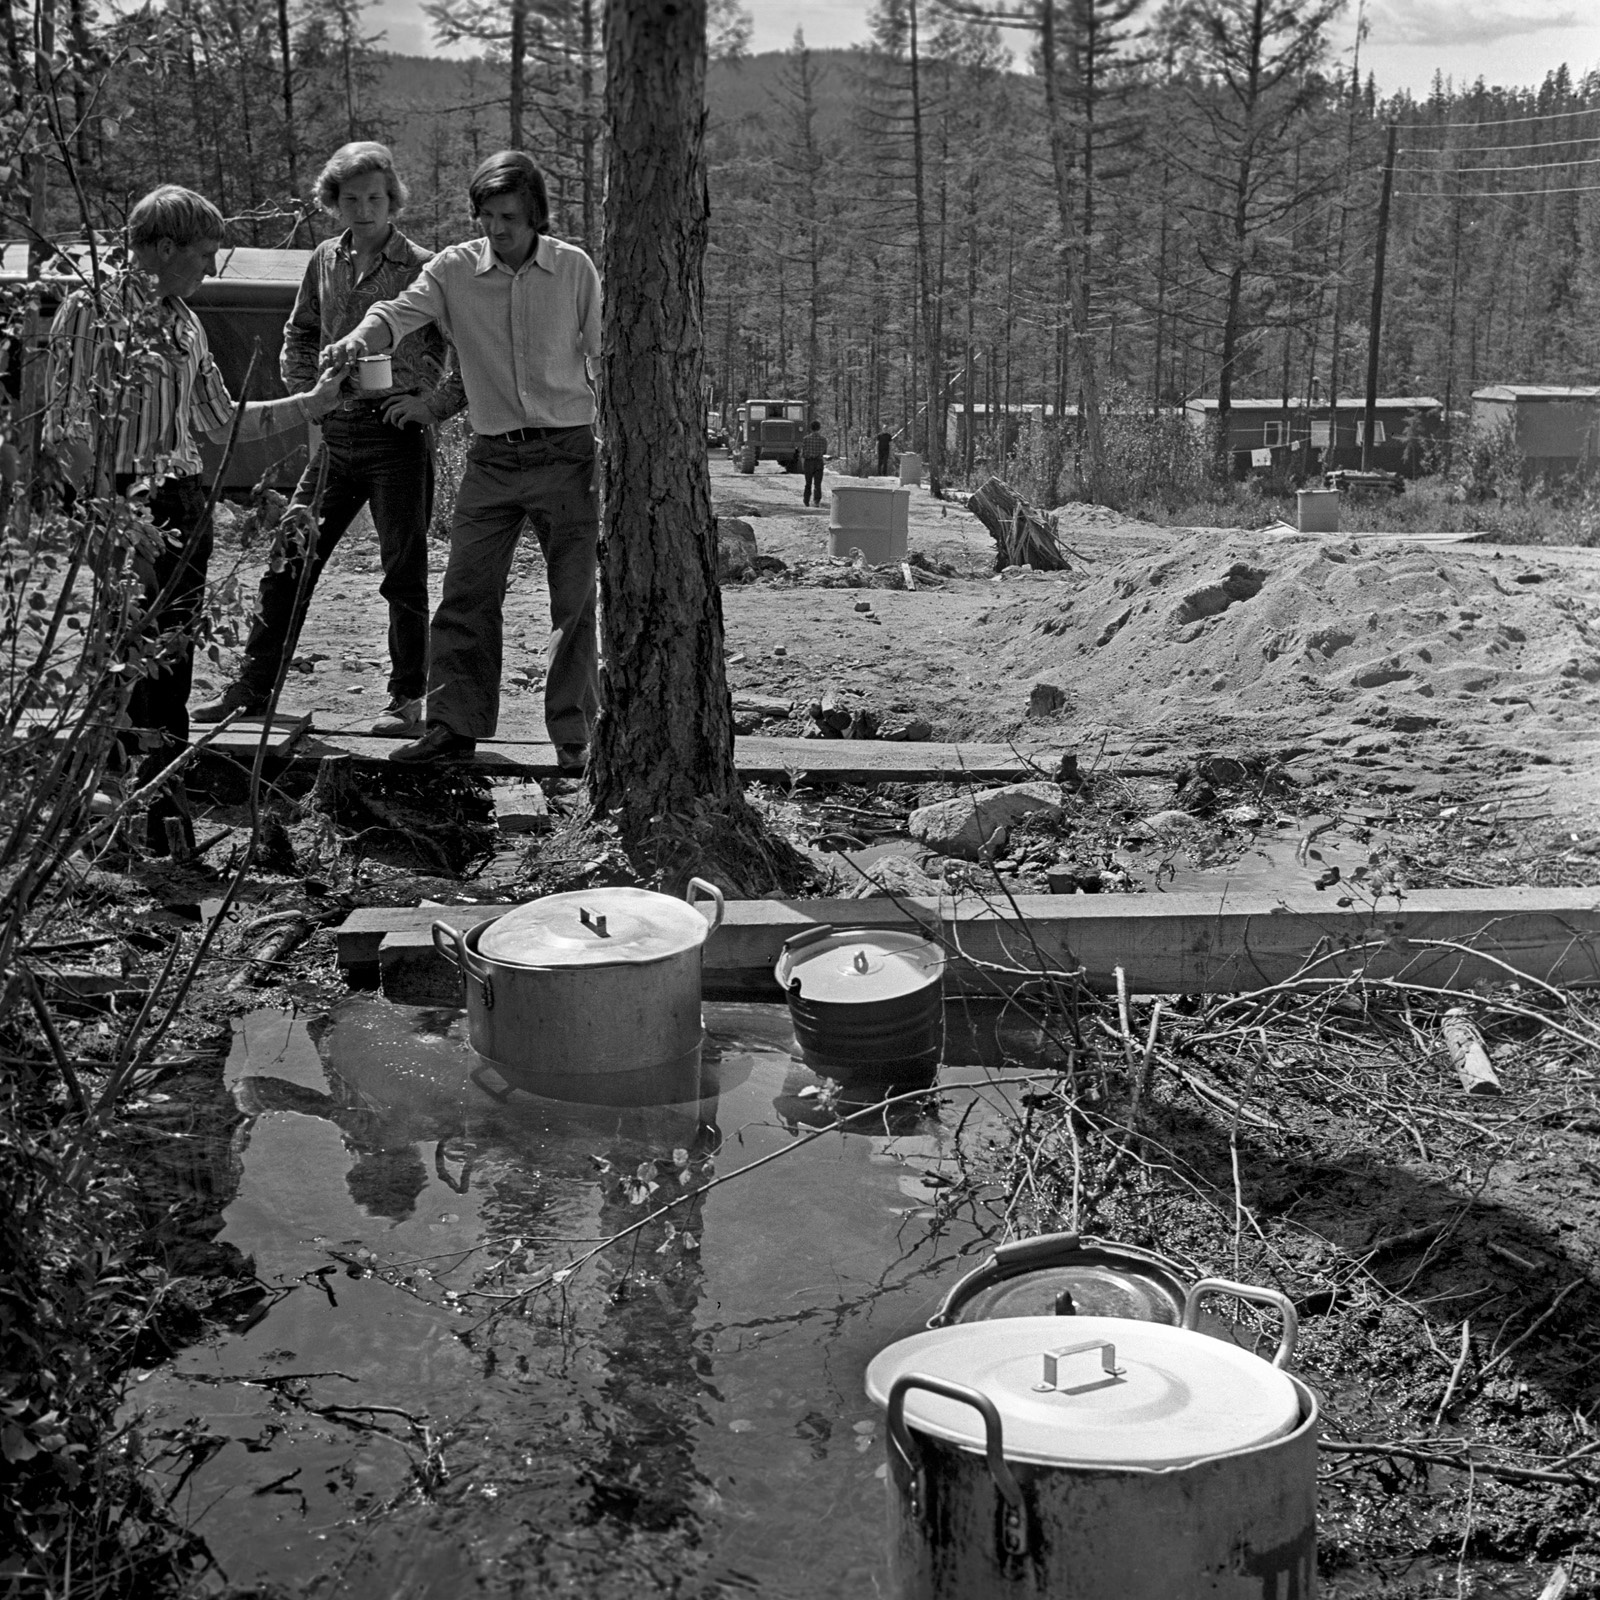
x=1513 y=42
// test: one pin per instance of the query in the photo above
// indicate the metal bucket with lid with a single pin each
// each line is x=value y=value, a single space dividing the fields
x=1068 y=1275
x=864 y=998
x=591 y=995
x=1098 y=1457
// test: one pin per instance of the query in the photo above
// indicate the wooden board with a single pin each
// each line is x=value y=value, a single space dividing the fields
x=770 y=760
x=1165 y=944
x=360 y=934
x=238 y=740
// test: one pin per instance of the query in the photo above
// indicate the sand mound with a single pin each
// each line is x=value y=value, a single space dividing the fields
x=1255 y=622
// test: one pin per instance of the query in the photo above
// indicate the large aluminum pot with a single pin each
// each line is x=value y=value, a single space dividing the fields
x=1139 y=1461
x=1068 y=1275
x=592 y=995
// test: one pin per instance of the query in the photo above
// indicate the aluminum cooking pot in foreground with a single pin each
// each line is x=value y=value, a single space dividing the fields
x=589 y=995
x=1097 y=1458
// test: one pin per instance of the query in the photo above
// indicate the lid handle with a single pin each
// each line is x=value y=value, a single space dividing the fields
x=1288 y=1335
x=715 y=894
x=861 y=964
x=1052 y=1384
x=594 y=920
x=903 y=1457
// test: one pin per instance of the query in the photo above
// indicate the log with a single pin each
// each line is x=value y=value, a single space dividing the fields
x=1025 y=537
x=1465 y=1045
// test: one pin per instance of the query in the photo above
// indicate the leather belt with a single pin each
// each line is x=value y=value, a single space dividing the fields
x=524 y=435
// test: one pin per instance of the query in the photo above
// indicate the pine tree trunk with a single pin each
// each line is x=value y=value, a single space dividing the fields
x=665 y=739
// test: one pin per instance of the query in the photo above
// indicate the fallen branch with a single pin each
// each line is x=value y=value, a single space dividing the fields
x=1462 y=1461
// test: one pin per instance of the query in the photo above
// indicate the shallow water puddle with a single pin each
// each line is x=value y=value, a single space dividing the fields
x=683 y=1415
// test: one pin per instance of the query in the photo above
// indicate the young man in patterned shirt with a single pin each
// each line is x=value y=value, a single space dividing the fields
x=377 y=446
x=130 y=386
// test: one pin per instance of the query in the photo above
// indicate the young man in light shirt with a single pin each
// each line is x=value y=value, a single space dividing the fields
x=523 y=312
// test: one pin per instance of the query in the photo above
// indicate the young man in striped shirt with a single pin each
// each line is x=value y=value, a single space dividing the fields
x=130 y=388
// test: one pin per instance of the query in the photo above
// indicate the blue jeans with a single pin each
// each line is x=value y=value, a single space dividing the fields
x=392 y=468
x=550 y=482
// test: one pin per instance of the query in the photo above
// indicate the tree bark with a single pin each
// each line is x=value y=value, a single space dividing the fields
x=663 y=748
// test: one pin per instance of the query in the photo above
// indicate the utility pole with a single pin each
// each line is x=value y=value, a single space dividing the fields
x=1374 y=334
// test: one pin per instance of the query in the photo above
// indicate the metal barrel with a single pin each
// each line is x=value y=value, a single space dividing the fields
x=879 y=1034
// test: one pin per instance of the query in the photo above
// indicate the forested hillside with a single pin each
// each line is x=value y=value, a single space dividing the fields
x=1135 y=217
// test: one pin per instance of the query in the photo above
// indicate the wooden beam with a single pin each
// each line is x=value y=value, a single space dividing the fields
x=1164 y=943
x=770 y=760
x=238 y=740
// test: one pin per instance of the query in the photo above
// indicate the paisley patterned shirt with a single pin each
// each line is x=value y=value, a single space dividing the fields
x=332 y=300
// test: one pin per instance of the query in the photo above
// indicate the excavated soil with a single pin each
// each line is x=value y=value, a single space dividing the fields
x=1398 y=655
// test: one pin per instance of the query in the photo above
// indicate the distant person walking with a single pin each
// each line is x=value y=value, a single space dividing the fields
x=813 y=452
x=523 y=311
x=376 y=447
x=885 y=444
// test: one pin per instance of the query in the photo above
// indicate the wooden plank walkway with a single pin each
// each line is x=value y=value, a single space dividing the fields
x=1188 y=943
x=769 y=760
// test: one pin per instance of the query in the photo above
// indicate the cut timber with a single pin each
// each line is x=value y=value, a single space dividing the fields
x=1465 y=1045
x=238 y=740
x=362 y=931
x=1025 y=537
x=522 y=808
x=769 y=760
x=1166 y=944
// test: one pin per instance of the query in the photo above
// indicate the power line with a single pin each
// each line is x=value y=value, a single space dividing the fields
x=1483 y=149
x=1494 y=194
x=1475 y=172
x=1501 y=122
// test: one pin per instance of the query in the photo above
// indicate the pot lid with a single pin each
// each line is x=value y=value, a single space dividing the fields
x=1174 y=1396
x=594 y=928
x=855 y=965
x=1067 y=1276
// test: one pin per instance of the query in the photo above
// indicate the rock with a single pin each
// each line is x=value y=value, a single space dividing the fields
x=913 y=732
x=863 y=605
x=1044 y=699
x=1171 y=822
x=736 y=550
x=863 y=725
x=967 y=825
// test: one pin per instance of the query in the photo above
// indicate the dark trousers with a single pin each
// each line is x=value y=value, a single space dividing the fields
x=549 y=481
x=362 y=459
x=160 y=700
x=883 y=458
x=812 y=468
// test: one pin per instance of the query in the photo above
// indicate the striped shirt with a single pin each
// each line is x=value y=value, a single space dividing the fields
x=333 y=300
x=141 y=366
x=523 y=339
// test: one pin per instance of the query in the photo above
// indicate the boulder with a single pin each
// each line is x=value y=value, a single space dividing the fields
x=1045 y=699
x=736 y=550
x=963 y=826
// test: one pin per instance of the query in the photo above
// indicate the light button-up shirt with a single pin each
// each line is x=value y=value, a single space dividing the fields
x=523 y=338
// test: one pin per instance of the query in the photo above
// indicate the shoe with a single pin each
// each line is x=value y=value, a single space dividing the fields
x=438 y=743
x=572 y=760
x=402 y=719
x=236 y=697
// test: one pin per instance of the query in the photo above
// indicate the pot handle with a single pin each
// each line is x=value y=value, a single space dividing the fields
x=713 y=891
x=451 y=944
x=1288 y=1335
x=910 y=1476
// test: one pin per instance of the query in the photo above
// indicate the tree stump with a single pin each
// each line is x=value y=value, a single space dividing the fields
x=1024 y=537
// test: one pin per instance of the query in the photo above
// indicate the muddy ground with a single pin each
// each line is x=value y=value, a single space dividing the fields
x=1430 y=712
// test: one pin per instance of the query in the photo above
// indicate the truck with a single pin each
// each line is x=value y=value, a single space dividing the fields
x=769 y=430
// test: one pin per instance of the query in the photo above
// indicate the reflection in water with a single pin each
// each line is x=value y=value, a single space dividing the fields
x=687 y=1409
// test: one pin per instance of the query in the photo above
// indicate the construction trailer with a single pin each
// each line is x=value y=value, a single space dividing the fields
x=1269 y=435
x=1556 y=427
x=243 y=310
